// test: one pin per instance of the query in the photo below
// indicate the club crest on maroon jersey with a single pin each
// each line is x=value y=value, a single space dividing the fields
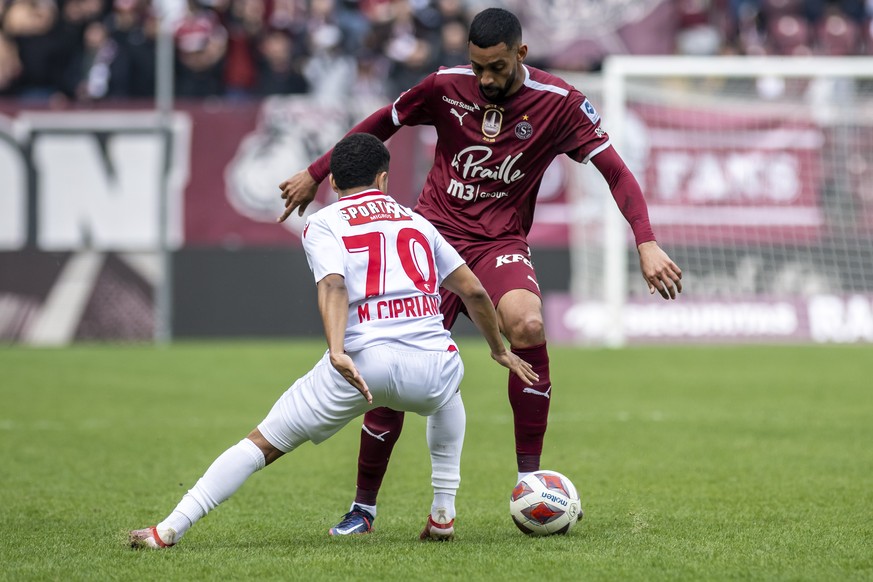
x=523 y=130
x=492 y=123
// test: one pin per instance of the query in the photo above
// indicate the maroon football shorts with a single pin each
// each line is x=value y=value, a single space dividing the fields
x=501 y=267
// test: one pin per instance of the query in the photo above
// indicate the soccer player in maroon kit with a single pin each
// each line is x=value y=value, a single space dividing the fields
x=499 y=124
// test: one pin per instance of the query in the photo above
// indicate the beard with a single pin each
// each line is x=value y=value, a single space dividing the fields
x=499 y=94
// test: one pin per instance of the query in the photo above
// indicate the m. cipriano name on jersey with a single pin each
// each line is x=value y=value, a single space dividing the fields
x=382 y=308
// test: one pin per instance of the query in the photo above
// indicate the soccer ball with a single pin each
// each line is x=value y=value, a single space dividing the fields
x=545 y=503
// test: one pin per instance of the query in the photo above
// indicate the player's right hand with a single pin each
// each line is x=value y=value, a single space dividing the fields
x=517 y=366
x=343 y=364
x=297 y=191
x=659 y=271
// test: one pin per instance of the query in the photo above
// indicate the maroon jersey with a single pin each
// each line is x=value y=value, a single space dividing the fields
x=490 y=158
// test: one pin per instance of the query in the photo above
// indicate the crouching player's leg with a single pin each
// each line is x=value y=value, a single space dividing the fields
x=222 y=479
x=314 y=408
x=445 y=438
x=428 y=383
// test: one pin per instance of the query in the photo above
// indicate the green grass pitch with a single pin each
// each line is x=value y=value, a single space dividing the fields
x=705 y=463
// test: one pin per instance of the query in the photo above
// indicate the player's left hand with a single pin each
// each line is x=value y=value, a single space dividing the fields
x=517 y=366
x=343 y=364
x=659 y=271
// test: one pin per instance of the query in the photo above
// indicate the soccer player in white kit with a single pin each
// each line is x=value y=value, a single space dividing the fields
x=378 y=267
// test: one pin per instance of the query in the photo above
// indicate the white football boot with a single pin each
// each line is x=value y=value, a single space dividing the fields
x=149 y=538
x=439 y=528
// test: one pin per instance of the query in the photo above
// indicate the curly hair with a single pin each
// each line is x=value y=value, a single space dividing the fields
x=357 y=159
x=493 y=26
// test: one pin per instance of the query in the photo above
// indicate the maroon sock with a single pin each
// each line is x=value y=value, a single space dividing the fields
x=530 y=408
x=381 y=430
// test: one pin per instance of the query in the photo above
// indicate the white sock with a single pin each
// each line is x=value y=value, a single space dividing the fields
x=222 y=479
x=443 y=500
x=371 y=509
x=445 y=439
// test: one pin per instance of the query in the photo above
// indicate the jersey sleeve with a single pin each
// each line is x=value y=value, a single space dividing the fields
x=413 y=106
x=379 y=123
x=323 y=251
x=583 y=137
x=627 y=194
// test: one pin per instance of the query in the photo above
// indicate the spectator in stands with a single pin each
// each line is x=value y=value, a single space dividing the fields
x=289 y=14
x=372 y=75
x=354 y=25
x=453 y=42
x=329 y=70
x=698 y=33
x=132 y=26
x=453 y=10
x=76 y=17
x=201 y=46
x=412 y=39
x=34 y=26
x=80 y=13
x=279 y=72
x=837 y=34
x=94 y=68
x=854 y=10
x=245 y=23
x=10 y=65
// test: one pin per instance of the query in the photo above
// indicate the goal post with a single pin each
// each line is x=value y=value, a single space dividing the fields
x=758 y=174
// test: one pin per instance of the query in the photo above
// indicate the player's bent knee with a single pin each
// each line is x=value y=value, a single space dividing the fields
x=527 y=333
x=270 y=452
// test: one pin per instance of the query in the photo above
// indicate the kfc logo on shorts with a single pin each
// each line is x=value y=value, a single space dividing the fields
x=515 y=258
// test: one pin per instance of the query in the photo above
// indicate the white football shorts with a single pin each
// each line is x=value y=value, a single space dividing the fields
x=320 y=403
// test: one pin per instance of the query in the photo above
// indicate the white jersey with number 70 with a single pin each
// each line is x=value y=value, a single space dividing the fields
x=393 y=261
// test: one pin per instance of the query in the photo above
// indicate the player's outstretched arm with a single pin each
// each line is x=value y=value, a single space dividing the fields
x=463 y=283
x=300 y=189
x=333 y=303
x=297 y=191
x=659 y=271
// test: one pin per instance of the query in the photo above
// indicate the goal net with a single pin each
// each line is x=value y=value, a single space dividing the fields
x=758 y=173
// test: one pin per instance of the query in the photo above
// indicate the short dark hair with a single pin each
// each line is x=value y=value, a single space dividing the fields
x=493 y=26
x=357 y=159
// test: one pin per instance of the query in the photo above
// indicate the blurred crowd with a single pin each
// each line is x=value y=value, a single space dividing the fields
x=775 y=27
x=92 y=50
x=88 y=50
